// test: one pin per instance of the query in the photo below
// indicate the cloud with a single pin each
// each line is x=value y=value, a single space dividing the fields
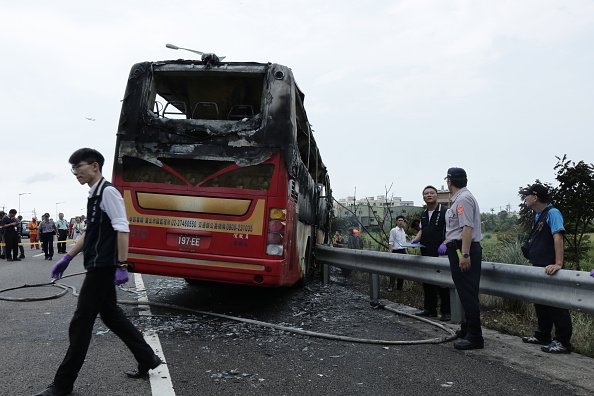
x=40 y=177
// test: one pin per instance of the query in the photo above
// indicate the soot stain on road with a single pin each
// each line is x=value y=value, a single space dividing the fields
x=320 y=308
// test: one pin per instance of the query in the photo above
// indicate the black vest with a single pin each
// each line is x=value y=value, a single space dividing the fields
x=433 y=231
x=542 y=245
x=100 y=237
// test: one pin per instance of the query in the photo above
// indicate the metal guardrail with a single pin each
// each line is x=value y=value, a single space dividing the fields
x=566 y=289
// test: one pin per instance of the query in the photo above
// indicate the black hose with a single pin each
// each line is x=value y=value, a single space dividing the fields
x=294 y=330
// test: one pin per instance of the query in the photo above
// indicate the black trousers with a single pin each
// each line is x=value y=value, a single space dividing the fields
x=399 y=282
x=62 y=235
x=12 y=245
x=21 y=248
x=467 y=286
x=547 y=317
x=47 y=244
x=98 y=296
x=430 y=302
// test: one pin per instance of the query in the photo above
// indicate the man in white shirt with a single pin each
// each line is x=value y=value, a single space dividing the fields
x=397 y=238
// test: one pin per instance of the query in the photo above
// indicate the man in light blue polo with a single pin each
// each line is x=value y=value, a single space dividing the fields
x=62 y=226
x=545 y=249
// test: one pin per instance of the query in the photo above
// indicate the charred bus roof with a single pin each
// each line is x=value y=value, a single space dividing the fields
x=242 y=111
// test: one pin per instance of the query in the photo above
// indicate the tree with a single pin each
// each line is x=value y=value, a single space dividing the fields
x=574 y=197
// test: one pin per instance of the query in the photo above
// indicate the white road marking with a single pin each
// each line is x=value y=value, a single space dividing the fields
x=161 y=384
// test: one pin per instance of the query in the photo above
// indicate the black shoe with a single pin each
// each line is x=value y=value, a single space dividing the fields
x=376 y=305
x=143 y=370
x=445 y=317
x=22 y=256
x=426 y=313
x=535 y=340
x=53 y=390
x=8 y=259
x=49 y=258
x=466 y=345
x=16 y=259
x=556 y=347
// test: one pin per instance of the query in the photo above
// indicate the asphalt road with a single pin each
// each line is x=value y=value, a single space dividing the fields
x=213 y=356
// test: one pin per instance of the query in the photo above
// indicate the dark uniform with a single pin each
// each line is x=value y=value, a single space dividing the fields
x=11 y=237
x=433 y=235
x=464 y=211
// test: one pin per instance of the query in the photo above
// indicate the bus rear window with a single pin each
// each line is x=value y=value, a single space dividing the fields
x=207 y=96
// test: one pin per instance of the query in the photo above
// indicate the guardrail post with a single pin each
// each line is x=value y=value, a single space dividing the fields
x=325 y=274
x=374 y=283
x=456 y=306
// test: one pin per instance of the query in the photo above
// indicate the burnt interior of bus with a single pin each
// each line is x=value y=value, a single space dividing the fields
x=198 y=173
x=212 y=96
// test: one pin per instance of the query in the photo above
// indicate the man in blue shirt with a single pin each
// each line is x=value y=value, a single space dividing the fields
x=545 y=249
x=62 y=226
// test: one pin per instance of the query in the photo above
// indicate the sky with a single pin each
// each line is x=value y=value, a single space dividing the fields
x=396 y=91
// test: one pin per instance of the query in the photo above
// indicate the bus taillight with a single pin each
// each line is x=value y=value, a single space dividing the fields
x=276 y=232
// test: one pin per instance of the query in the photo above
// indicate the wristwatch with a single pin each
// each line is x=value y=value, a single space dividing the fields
x=122 y=263
x=465 y=255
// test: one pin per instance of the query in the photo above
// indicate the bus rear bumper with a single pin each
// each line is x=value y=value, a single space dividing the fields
x=226 y=269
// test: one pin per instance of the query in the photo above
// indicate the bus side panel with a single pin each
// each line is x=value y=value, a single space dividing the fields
x=290 y=272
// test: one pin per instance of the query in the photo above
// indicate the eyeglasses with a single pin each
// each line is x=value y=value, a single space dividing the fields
x=76 y=167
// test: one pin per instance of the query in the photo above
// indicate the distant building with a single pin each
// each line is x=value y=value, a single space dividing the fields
x=371 y=211
x=443 y=196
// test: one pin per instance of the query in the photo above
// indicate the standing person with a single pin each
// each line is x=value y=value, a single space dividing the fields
x=397 y=238
x=545 y=249
x=432 y=237
x=2 y=242
x=338 y=239
x=78 y=228
x=34 y=233
x=463 y=235
x=10 y=224
x=19 y=239
x=62 y=226
x=105 y=248
x=47 y=229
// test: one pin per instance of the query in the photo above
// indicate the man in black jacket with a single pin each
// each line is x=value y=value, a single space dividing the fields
x=432 y=237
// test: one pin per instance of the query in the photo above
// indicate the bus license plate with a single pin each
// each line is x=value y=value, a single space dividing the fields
x=185 y=240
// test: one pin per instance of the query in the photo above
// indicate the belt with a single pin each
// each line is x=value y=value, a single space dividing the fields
x=456 y=243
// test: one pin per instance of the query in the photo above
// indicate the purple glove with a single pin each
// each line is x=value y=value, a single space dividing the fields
x=592 y=273
x=59 y=268
x=441 y=250
x=121 y=276
x=414 y=242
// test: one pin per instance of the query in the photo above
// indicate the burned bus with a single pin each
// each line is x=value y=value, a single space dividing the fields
x=220 y=173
